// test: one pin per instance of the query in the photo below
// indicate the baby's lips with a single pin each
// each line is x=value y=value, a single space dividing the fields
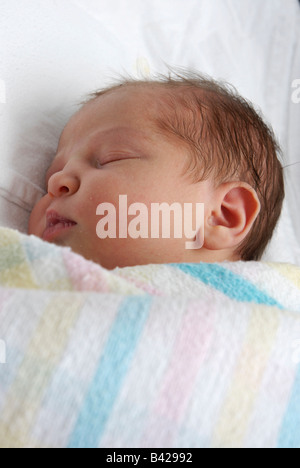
x=53 y=218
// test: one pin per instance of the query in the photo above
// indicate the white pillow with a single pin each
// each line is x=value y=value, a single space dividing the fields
x=54 y=53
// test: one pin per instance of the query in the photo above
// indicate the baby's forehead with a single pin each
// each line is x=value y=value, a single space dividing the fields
x=162 y=110
x=147 y=111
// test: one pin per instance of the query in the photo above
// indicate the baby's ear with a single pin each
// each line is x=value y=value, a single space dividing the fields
x=232 y=212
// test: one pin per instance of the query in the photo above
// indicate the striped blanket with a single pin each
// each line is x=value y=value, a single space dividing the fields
x=169 y=356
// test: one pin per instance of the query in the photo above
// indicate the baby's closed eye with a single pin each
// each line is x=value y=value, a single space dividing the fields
x=113 y=158
x=98 y=162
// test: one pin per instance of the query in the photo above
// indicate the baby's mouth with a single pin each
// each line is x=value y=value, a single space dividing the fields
x=55 y=224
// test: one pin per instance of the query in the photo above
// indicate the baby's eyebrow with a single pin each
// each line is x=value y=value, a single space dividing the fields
x=123 y=134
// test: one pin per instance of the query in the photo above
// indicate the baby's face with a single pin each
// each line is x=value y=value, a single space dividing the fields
x=110 y=148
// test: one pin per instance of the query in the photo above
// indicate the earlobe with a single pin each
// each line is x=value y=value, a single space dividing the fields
x=234 y=210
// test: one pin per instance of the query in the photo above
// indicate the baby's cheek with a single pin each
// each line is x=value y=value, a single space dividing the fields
x=86 y=208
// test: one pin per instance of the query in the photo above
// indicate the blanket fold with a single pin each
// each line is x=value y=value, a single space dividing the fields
x=172 y=355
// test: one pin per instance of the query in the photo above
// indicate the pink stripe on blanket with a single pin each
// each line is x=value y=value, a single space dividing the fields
x=148 y=288
x=189 y=353
x=85 y=275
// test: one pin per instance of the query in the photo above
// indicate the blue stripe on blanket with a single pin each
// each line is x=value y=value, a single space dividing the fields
x=290 y=430
x=112 y=368
x=228 y=283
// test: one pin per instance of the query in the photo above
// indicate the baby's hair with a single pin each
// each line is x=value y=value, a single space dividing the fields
x=227 y=139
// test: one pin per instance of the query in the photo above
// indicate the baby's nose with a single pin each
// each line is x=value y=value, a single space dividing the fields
x=61 y=184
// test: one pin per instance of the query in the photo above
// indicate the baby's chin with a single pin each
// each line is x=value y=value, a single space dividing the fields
x=113 y=253
x=104 y=253
x=83 y=246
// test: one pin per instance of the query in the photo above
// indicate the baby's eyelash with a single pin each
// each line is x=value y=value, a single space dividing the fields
x=99 y=165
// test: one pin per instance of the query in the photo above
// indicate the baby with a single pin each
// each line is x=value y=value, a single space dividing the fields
x=181 y=139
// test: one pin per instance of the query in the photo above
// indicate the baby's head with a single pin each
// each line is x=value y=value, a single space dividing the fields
x=182 y=139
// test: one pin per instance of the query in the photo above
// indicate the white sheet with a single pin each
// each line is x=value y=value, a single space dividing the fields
x=53 y=53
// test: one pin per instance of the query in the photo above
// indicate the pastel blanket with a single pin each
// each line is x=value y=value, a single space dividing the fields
x=170 y=356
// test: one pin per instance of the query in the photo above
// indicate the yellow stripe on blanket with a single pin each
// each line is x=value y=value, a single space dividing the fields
x=8 y=237
x=41 y=357
x=15 y=271
x=238 y=405
x=19 y=276
x=290 y=272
